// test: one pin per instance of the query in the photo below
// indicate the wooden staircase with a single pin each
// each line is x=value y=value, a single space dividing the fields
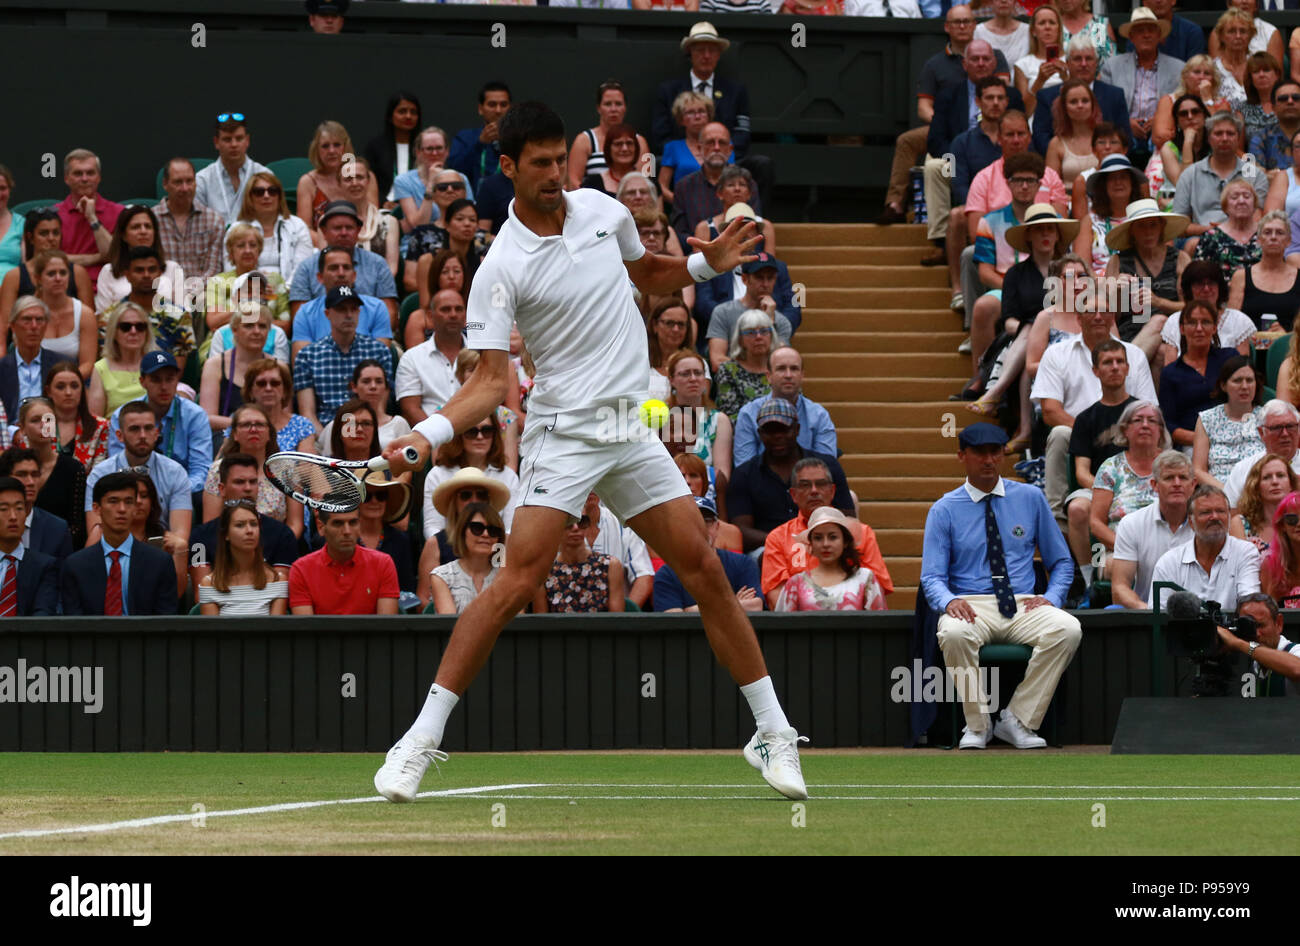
x=880 y=353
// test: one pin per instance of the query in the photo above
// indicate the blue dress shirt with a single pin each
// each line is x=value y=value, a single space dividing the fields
x=311 y=324
x=374 y=278
x=816 y=430
x=184 y=435
x=954 y=558
x=125 y=563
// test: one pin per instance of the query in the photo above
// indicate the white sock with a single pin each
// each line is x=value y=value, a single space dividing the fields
x=766 y=708
x=1086 y=570
x=429 y=724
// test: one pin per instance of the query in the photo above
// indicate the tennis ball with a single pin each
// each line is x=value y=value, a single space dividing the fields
x=654 y=412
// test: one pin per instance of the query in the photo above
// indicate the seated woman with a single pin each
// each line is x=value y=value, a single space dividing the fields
x=1263 y=73
x=481 y=447
x=1144 y=249
x=669 y=330
x=1279 y=570
x=652 y=227
x=1272 y=284
x=1230 y=47
x=250 y=432
x=736 y=188
x=467 y=485
x=1075 y=113
x=1203 y=281
x=369 y=384
x=42 y=230
x=1111 y=188
x=268 y=384
x=509 y=415
x=61 y=480
x=1200 y=80
x=744 y=377
x=128 y=335
x=147 y=526
x=223 y=380
x=1060 y=322
x=461 y=235
x=443 y=271
x=1034 y=71
x=581 y=580
x=72 y=331
x=623 y=155
x=324 y=182
x=707 y=431
x=1269 y=481
x=287 y=239
x=81 y=434
x=246 y=281
x=838 y=582
x=691 y=112
x=1187 y=385
x=1176 y=155
x=1124 y=483
x=590 y=153
x=1228 y=433
x=380 y=233
x=1233 y=243
x=476 y=534
x=136 y=226
x=241 y=582
x=704 y=480
x=636 y=191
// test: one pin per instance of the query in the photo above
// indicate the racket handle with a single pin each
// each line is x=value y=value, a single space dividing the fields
x=409 y=454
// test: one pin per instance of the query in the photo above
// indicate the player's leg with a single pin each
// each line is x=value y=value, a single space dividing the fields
x=675 y=530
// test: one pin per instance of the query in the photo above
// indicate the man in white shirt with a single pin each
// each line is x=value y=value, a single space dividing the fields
x=220 y=186
x=426 y=375
x=1066 y=385
x=1142 y=537
x=1280 y=431
x=1214 y=566
x=617 y=540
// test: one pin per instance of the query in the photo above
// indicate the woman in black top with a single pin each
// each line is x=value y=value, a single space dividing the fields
x=1272 y=285
x=42 y=230
x=1144 y=245
x=61 y=483
x=1187 y=386
x=401 y=125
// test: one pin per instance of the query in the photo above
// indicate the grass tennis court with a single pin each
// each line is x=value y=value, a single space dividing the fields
x=864 y=802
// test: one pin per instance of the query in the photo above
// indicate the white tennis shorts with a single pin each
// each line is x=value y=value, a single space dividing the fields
x=563 y=457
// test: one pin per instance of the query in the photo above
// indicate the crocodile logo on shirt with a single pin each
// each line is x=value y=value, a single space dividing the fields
x=601 y=234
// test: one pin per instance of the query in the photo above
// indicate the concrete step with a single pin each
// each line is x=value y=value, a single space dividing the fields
x=900 y=389
x=899 y=542
x=940 y=438
x=886 y=365
x=830 y=297
x=902 y=485
x=894 y=515
x=880 y=320
x=895 y=462
x=850 y=234
x=854 y=255
x=907 y=342
x=905 y=570
x=860 y=277
x=895 y=414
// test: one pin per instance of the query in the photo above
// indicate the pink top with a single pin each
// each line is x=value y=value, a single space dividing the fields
x=990 y=190
x=77 y=237
x=858 y=592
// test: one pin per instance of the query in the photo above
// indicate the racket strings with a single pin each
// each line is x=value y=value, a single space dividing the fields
x=315 y=483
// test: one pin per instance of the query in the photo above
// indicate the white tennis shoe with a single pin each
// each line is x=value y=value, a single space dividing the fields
x=398 y=779
x=776 y=756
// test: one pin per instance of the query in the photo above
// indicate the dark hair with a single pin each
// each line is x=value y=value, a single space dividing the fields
x=167 y=168
x=231 y=460
x=658 y=356
x=623 y=130
x=336 y=432
x=1258 y=62
x=133 y=407
x=989 y=82
x=1282 y=82
x=231 y=124
x=1110 y=344
x=34 y=218
x=455 y=207
x=610 y=85
x=850 y=558
x=10 y=485
x=456 y=529
x=231 y=446
x=1231 y=367
x=15 y=455
x=222 y=561
x=119 y=254
x=1030 y=161
x=1197 y=304
x=89 y=422
x=362 y=365
x=528 y=121
x=1199 y=269
x=326 y=250
x=436 y=266
x=1108 y=130
x=155 y=524
x=492 y=85
x=114 y=483
x=1201 y=143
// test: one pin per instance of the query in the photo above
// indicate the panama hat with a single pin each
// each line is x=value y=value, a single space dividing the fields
x=1113 y=164
x=1146 y=209
x=703 y=32
x=824 y=514
x=1041 y=213
x=1142 y=15
x=396 y=493
x=470 y=477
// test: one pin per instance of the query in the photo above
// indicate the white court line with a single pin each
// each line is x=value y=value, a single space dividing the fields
x=260 y=810
x=816 y=798
x=903 y=786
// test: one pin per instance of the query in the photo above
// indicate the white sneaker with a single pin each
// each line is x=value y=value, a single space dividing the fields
x=1009 y=729
x=977 y=740
x=776 y=756
x=398 y=779
x=964 y=347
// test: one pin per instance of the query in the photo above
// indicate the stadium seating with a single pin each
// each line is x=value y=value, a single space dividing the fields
x=288 y=170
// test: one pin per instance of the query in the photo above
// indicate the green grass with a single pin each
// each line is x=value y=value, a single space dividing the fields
x=882 y=802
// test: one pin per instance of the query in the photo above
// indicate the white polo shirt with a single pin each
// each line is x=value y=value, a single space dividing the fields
x=1236 y=481
x=1234 y=575
x=572 y=298
x=1142 y=537
x=1065 y=375
x=426 y=371
x=625 y=545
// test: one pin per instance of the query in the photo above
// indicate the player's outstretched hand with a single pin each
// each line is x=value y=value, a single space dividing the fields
x=731 y=248
x=397 y=462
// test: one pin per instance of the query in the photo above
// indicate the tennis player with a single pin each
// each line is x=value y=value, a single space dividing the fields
x=563 y=268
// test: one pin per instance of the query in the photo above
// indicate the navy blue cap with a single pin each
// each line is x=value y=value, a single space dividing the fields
x=982 y=434
x=156 y=361
x=706 y=505
x=327 y=6
x=764 y=261
x=341 y=296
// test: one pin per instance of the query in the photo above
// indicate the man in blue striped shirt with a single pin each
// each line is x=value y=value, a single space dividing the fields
x=977 y=567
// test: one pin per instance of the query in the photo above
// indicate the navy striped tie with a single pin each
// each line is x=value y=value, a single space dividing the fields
x=9 y=589
x=998 y=562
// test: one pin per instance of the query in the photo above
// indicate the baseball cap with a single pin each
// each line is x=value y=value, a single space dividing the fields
x=341 y=296
x=707 y=506
x=764 y=261
x=741 y=209
x=980 y=435
x=777 y=409
x=336 y=207
x=157 y=360
x=327 y=6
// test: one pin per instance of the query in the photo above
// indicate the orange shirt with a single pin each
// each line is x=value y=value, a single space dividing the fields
x=783 y=556
x=351 y=587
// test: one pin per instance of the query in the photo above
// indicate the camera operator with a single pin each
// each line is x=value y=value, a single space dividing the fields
x=1270 y=650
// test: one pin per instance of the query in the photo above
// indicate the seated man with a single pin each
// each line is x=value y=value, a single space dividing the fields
x=323 y=369
x=1142 y=537
x=1134 y=73
x=977 y=568
x=116 y=575
x=43 y=531
x=27 y=364
x=86 y=217
x=477 y=151
x=816 y=429
x=138 y=432
x=191 y=233
x=721 y=289
x=238 y=478
x=426 y=374
x=610 y=537
x=1200 y=188
x=173 y=327
x=811 y=487
x=1214 y=566
x=1279 y=429
x=759 y=277
x=344 y=577
x=221 y=185
x=183 y=430
x=333 y=269
x=741 y=571
x=29 y=581
x=1271 y=652
x=341 y=226
x=695 y=197
x=758 y=496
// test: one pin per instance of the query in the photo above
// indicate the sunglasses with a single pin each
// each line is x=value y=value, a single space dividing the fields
x=241 y=503
x=1289 y=97
x=583 y=523
x=1191 y=113
x=264 y=191
x=450 y=186
x=751 y=332
x=227 y=116
x=132 y=327
x=482 y=528
x=1291 y=519
x=484 y=432
x=477 y=494
x=268 y=383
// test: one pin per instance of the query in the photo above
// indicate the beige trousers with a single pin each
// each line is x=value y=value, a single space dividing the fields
x=938 y=197
x=1056 y=470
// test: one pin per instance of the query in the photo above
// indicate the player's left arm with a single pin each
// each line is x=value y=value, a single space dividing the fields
x=658 y=275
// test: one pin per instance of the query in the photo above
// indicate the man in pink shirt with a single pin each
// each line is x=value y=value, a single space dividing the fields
x=88 y=218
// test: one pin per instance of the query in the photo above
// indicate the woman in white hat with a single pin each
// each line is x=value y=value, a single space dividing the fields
x=1271 y=285
x=465 y=486
x=481 y=447
x=1144 y=248
x=1111 y=188
x=477 y=535
x=838 y=582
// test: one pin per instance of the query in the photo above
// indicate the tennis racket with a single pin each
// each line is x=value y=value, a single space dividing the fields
x=325 y=483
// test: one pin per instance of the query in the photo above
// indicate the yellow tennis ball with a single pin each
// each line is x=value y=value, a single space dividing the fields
x=654 y=412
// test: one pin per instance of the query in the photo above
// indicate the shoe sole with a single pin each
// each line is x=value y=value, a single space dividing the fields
x=392 y=795
x=1012 y=743
x=792 y=793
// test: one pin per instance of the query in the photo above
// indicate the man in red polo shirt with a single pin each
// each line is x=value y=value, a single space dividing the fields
x=344 y=577
x=88 y=218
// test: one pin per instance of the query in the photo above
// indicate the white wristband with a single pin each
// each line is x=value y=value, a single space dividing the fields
x=436 y=429
x=699 y=268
